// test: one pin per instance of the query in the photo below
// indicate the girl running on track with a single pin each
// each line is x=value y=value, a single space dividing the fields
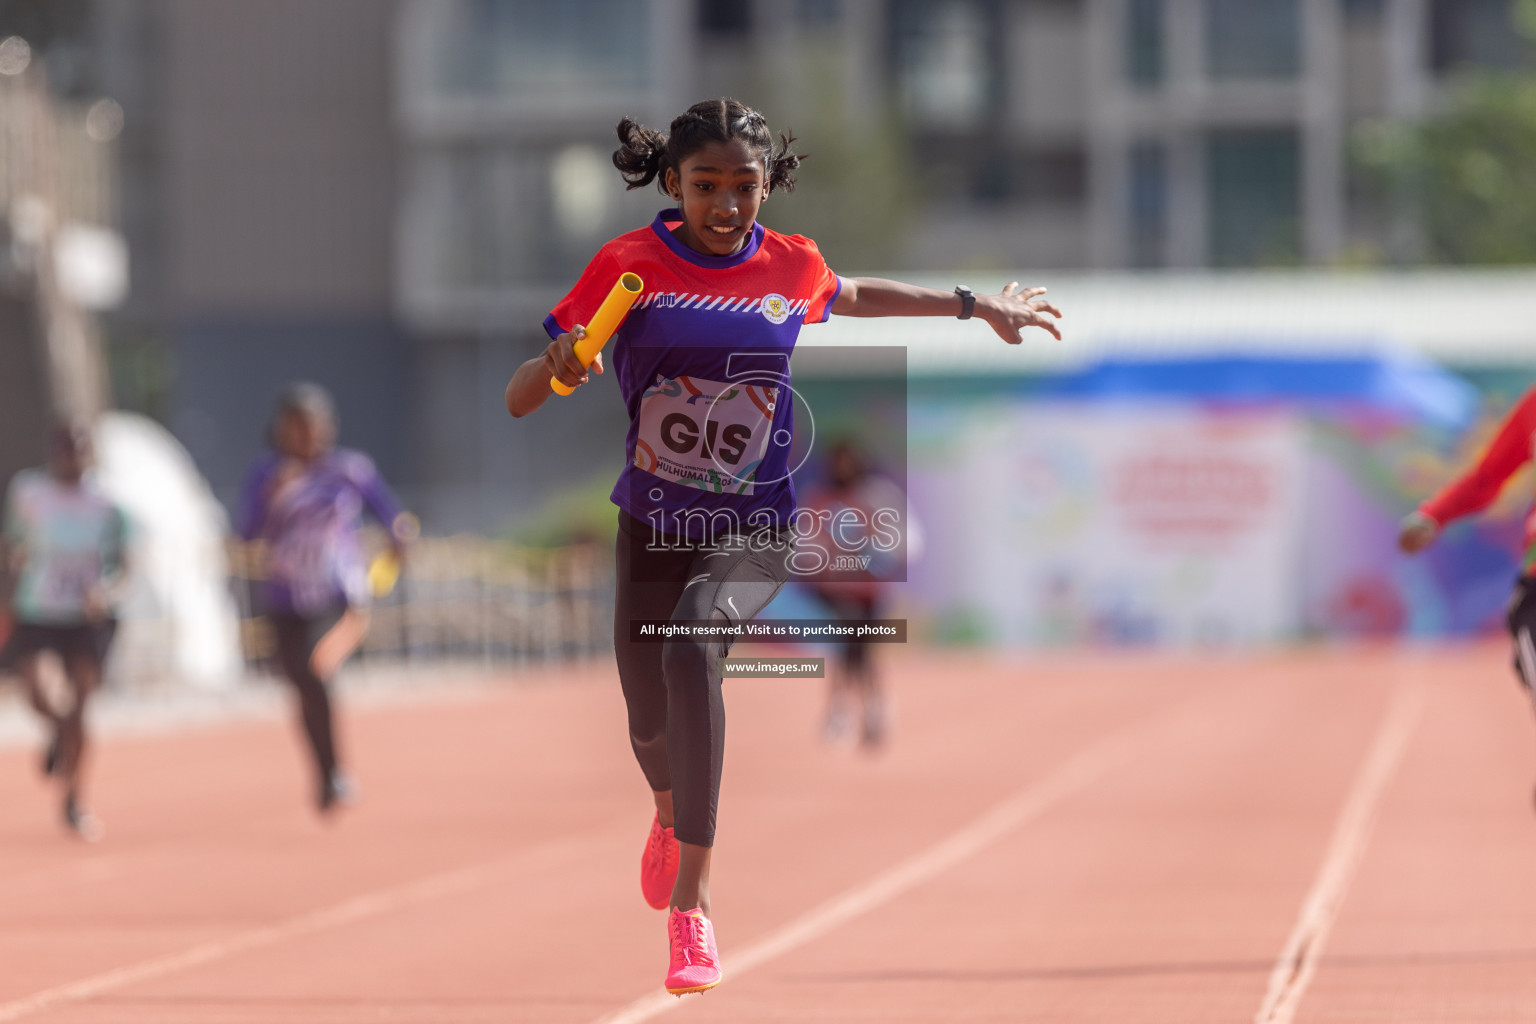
x=65 y=547
x=303 y=502
x=705 y=500
x=1474 y=491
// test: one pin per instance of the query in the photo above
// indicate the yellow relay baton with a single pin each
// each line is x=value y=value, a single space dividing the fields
x=604 y=322
x=383 y=572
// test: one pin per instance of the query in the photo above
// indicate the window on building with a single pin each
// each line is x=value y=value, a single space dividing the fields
x=986 y=171
x=1144 y=50
x=1148 y=206
x=544 y=47
x=1475 y=33
x=819 y=13
x=1254 y=197
x=1053 y=176
x=947 y=61
x=491 y=215
x=724 y=17
x=1253 y=38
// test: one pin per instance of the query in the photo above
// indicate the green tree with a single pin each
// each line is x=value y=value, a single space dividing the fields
x=1465 y=176
x=856 y=188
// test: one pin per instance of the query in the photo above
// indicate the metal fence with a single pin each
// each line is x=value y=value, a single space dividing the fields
x=470 y=600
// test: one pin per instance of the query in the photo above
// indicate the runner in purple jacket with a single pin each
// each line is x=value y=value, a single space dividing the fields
x=303 y=503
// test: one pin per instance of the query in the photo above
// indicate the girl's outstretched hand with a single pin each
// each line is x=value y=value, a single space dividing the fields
x=1011 y=310
x=1417 y=532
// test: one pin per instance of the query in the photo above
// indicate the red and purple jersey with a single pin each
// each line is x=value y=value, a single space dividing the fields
x=1475 y=490
x=703 y=366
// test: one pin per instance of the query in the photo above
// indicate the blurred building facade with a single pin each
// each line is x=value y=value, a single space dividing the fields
x=1094 y=134
x=1098 y=134
x=388 y=195
x=269 y=201
x=59 y=255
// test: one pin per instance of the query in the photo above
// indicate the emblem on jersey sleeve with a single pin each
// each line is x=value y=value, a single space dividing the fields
x=775 y=308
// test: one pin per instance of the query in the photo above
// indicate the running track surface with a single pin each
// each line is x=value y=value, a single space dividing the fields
x=1318 y=837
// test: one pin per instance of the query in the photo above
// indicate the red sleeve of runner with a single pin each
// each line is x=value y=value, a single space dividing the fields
x=1479 y=486
x=825 y=287
x=585 y=296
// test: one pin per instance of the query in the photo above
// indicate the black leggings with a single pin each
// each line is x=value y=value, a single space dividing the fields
x=296 y=637
x=672 y=689
x=82 y=648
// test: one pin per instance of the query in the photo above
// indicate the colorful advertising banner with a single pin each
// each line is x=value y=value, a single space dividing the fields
x=1065 y=524
x=1206 y=517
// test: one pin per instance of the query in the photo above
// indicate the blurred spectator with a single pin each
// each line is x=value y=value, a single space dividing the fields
x=855 y=582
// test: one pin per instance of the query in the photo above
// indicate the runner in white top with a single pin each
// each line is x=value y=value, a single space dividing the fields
x=65 y=548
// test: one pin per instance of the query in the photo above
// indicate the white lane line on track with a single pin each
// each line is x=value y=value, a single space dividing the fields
x=1073 y=775
x=1351 y=834
x=447 y=883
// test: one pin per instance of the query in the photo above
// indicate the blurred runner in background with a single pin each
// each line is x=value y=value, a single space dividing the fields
x=303 y=505
x=65 y=549
x=853 y=587
x=1473 y=491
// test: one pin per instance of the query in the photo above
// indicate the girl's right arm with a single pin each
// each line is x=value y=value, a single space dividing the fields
x=529 y=386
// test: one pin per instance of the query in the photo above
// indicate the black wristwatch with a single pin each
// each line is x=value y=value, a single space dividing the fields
x=967 y=301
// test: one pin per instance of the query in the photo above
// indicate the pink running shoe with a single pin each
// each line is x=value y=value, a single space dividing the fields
x=658 y=866
x=695 y=960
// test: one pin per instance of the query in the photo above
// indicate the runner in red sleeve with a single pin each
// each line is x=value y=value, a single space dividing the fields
x=707 y=512
x=1474 y=491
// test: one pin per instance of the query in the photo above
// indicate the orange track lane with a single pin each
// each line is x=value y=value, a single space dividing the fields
x=1092 y=838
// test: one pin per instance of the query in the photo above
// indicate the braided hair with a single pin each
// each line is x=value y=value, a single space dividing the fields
x=645 y=154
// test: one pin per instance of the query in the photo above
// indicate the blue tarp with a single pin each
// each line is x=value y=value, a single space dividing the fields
x=1402 y=384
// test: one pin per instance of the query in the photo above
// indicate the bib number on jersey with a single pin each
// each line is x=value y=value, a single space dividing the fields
x=67 y=579
x=705 y=434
